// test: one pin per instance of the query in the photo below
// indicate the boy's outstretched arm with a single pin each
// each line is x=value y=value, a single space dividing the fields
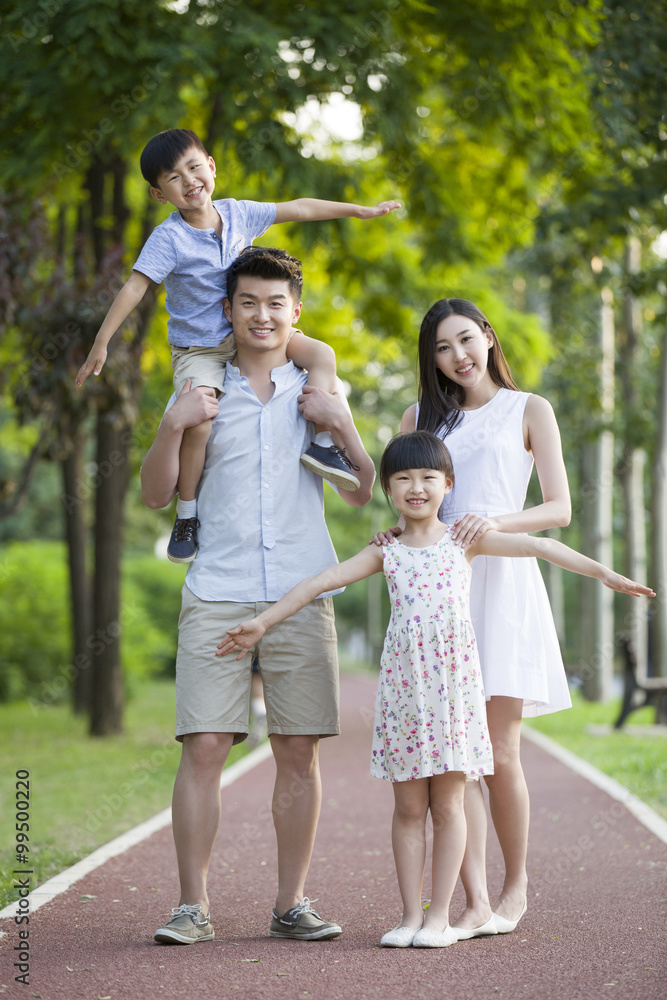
x=248 y=633
x=496 y=543
x=315 y=210
x=128 y=297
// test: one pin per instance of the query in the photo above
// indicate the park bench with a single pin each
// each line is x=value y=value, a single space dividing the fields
x=640 y=691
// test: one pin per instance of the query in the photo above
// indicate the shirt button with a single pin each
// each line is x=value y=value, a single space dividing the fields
x=266 y=447
x=267 y=522
x=266 y=486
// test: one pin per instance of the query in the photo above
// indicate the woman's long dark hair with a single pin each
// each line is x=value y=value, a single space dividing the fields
x=440 y=401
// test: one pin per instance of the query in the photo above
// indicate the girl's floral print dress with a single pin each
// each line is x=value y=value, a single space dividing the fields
x=430 y=713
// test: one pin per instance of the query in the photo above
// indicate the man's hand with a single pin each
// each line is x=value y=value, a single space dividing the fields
x=193 y=406
x=375 y=211
x=321 y=407
x=94 y=363
x=243 y=637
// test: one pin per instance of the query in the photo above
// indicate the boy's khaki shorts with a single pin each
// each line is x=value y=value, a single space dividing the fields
x=204 y=365
x=298 y=662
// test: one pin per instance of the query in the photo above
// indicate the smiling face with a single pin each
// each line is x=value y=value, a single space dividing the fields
x=462 y=351
x=262 y=313
x=418 y=493
x=188 y=186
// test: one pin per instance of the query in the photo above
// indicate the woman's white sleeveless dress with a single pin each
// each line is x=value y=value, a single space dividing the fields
x=516 y=636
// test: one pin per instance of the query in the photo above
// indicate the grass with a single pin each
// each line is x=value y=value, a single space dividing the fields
x=637 y=761
x=84 y=791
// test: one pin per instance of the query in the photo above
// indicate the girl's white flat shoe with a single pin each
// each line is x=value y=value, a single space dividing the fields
x=504 y=926
x=426 y=938
x=399 y=937
x=465 y=933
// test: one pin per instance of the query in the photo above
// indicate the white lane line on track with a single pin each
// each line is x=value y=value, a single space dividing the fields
x=640 y=810
x=60 y=883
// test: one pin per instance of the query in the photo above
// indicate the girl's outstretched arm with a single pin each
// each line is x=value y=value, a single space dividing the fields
x=495 y=543
x=248 y=633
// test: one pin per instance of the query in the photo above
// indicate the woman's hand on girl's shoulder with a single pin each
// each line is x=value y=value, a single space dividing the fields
x=471 y=527
x=386 y=537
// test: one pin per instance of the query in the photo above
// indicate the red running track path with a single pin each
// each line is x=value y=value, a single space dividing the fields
x=595 y=926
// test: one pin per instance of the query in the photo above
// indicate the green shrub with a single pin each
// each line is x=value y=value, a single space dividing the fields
x=35 y=653
x=34 y=617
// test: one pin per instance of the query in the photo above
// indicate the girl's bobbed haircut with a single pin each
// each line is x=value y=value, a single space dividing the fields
x=417 y=450
x=440 y=401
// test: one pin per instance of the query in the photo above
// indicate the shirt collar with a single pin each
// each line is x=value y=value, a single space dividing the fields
x=284 y=375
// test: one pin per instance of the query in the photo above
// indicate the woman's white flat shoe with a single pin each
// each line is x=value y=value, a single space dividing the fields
x=465 y=933
x=504 y=926
x=399 y=937
x=426 y=938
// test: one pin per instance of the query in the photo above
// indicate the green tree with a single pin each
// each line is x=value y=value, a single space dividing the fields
x=468 y=114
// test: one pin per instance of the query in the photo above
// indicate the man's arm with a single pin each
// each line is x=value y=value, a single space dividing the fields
x=159 y=473
x=315 y=210
x=128 y=297
x=331 y=411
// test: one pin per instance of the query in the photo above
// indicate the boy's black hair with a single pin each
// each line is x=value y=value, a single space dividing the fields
x=164 y=149
x=266 y=262
x=417 y=450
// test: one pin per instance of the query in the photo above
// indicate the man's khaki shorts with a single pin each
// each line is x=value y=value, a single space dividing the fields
x=298 y=662
x=204 y=365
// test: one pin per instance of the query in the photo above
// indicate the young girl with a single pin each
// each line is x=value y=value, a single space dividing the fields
x=494 y=433
x=430 y=730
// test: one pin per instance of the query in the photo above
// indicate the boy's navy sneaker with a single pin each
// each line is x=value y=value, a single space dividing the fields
x=183 y=544
x=301 y=923
x=333 y=465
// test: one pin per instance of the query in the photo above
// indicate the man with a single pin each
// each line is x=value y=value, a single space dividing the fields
x=263 y=530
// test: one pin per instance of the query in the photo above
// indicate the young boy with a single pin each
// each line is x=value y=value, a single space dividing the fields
x=191 y=251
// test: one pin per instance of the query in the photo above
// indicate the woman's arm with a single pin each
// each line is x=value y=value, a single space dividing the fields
x=495 y=543
x=248 y=633
x=542 y=438
x=409 y=420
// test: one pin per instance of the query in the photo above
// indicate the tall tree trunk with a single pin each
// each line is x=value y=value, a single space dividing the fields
x=599 y=675
x=119 y=210
x=112 y=473
x=76 y=536
x=95 y=186
x=659 y=528
x=633 y=462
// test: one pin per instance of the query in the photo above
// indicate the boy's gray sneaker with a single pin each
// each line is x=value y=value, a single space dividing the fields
x=301 y=923
x=187 y=926
x=333 y=465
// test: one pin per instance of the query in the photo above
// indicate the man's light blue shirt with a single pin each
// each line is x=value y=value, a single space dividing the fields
x=261 y=511
x=193 y=264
